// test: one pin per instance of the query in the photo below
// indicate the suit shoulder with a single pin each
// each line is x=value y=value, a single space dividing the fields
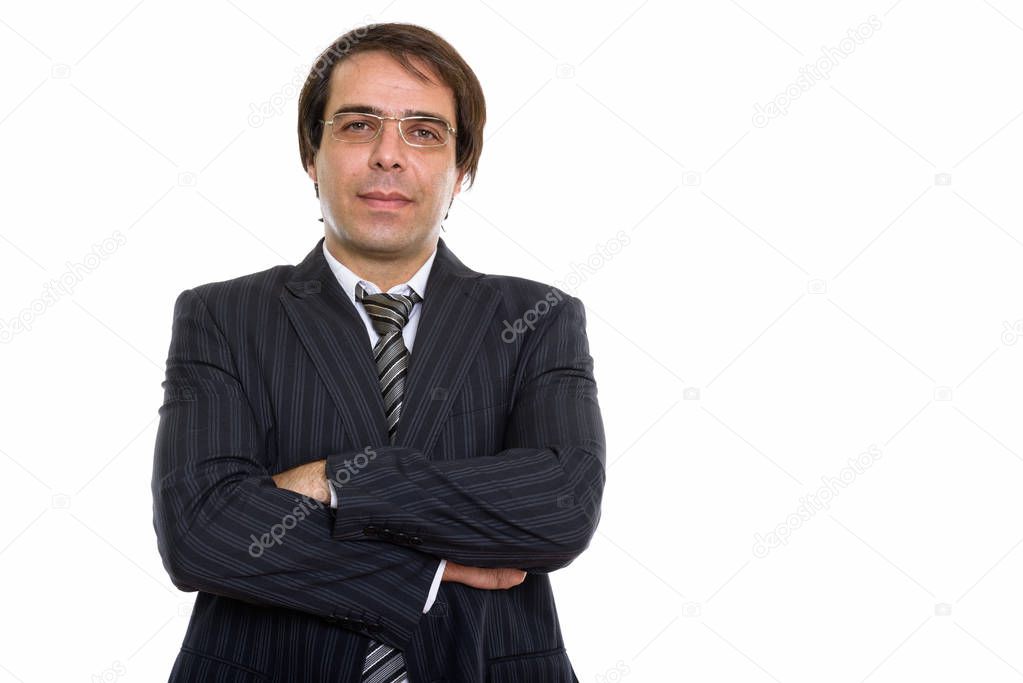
x=522 y=292
x=244 y=291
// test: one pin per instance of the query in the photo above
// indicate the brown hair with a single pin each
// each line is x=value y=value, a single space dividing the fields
x=401 y=41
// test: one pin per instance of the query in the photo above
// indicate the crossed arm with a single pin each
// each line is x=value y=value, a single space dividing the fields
x=310 y=480
x=533 y=506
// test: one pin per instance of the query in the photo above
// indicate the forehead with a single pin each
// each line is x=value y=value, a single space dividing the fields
x=377 y=79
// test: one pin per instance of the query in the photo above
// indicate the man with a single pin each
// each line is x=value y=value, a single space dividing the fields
x=368 y=463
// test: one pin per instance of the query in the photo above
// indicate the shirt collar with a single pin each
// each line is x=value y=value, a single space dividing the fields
x=348 y=279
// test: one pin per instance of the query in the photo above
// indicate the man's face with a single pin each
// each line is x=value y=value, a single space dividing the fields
x=346 y=172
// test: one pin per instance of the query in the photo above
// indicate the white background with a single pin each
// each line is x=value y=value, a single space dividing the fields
x=844 y=278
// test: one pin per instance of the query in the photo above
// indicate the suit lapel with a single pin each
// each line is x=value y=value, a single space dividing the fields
x=457 y=309
x=335 y=337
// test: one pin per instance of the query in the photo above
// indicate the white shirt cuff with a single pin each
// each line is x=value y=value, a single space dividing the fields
x=333 y=495
x=435 y=586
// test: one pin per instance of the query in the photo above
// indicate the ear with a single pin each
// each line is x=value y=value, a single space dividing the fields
x=311 y=170
x=458 y=184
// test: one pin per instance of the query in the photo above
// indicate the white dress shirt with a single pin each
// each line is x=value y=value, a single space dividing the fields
x=416 y=283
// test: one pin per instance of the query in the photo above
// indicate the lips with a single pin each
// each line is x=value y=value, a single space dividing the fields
x=385 y=200
x=385 y=196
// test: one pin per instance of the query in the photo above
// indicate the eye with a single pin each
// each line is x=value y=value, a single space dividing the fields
x=357 y=125
x=427 y=130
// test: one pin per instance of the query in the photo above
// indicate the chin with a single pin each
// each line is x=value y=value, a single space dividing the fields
x=383 y=240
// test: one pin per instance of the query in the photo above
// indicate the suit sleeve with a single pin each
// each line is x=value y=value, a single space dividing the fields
x=224 y=527
x=440 y=567
x=534 y=505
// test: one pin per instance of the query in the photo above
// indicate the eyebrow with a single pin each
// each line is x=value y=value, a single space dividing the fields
x=370 y=109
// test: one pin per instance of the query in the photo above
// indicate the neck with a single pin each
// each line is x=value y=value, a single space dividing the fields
x=383 y=270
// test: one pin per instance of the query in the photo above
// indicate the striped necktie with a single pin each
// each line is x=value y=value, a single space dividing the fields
x=389 y=314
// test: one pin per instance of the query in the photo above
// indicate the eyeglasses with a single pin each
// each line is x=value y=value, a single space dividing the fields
x=416 y=131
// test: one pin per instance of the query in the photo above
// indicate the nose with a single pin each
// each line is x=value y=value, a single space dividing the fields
x=389 y=149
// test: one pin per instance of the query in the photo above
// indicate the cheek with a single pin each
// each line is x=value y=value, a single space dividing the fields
x=442 y=182
x=342 y=180
x=342 y=165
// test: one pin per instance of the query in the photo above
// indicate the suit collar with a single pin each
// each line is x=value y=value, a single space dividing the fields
x=457 y=310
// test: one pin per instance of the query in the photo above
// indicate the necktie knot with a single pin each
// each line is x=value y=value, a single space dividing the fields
x=388 y=312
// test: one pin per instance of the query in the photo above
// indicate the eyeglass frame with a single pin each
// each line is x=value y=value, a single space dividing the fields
x=399 y=119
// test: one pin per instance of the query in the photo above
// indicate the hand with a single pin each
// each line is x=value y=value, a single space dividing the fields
x=309 y=479
x=487 y=578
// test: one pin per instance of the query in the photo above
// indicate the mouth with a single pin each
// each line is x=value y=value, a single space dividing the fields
x=385 y=200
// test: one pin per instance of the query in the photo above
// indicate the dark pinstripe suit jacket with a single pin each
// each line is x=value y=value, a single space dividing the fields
x=498 y=462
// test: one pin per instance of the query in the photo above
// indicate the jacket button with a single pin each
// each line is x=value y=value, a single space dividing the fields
x=370 y=530
x=415 y=540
